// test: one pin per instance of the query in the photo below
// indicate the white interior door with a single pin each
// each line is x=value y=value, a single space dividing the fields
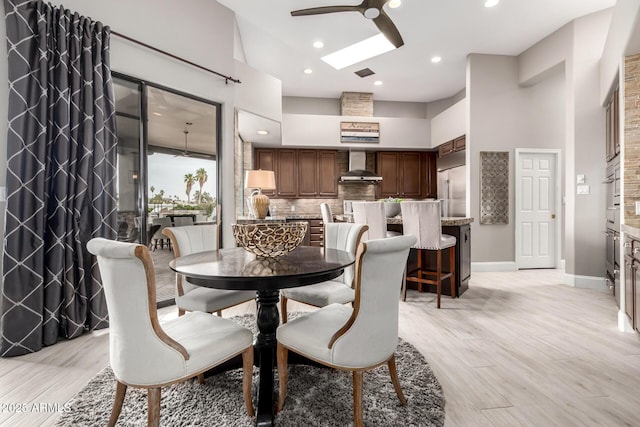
x=536 y=210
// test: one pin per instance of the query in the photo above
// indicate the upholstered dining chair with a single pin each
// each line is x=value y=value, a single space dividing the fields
x=190 y=239
x=337 y=235
x=372 y=214
x=355 y=338
x=422 y=219
x=325 y=210
x=182 y=221
x=147 y=354
x=159 y=237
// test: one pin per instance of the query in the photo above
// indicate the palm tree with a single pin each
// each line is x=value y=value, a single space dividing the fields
x=189 y=179
x=201 y=176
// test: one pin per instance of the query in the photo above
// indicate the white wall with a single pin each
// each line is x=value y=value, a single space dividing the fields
x=449 y=124
x=307 y=130
x=624 y=22
x=555 y=112
x=201 y=31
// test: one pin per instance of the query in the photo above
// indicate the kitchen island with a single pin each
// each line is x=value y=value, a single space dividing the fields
x=460 y=228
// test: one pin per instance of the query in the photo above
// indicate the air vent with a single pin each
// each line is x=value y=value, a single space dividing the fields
x=364 y=72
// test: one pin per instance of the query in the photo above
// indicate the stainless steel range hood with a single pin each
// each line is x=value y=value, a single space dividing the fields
x=358 y=172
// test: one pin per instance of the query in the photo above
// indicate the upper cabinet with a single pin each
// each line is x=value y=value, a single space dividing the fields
x=409 y=174
x=612 y=120
x=301 y=173
x=457 y=144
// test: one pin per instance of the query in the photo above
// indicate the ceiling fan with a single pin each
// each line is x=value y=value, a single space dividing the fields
x=370 y=9
x=185 y=153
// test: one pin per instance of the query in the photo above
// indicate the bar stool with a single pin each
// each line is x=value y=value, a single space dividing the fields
x=372 y=214
x=422 y=219
x=325 y=210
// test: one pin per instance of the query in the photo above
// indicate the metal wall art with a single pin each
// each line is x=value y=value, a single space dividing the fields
x=494 y=187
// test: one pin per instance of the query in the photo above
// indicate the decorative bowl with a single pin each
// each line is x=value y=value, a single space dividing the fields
x=269 y=240
x=391 y=209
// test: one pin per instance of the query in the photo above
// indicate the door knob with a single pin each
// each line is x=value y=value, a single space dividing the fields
x=553 y=216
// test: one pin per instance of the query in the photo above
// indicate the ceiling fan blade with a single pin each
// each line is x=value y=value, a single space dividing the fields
x=387 y=27
x=326 y=9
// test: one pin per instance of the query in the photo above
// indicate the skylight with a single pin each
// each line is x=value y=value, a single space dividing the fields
x=368 y=48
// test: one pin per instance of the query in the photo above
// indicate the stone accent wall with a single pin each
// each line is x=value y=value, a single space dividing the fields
x=356 y=104
x=631 y=170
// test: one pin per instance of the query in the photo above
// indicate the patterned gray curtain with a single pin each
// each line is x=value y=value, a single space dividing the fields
x=61 y=176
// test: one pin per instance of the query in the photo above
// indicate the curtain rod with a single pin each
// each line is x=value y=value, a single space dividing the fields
x=226 y=78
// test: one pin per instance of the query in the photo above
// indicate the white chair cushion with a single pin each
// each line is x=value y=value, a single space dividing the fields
x=310 y=334
x=208 y=339
x=446 y=241
x=210 y=300
x=321 y=294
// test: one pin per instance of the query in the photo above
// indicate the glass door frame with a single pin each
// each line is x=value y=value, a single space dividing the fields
x=143 y=181
x=143 y=167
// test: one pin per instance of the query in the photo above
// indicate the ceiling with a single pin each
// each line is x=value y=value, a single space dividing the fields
x=281 y=45
x=169 y=116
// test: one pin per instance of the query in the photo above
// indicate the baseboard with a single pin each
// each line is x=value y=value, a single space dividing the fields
x=585 y=282
x=623 y=322
x=493 y=266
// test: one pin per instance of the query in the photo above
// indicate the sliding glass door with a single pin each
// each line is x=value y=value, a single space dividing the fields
x=167 y=167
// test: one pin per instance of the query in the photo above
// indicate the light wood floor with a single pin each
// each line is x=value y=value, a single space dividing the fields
x=517 y=349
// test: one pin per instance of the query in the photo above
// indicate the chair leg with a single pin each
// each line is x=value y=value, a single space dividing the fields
x=419 y=254
x=201 y=379
x=452 y=263
x=180 y=312
x=391 y=363
x=219 y=313
x=282 y=354
x=439 y=275
x=247 y=375
x=357 y=399
x=121 y=390
x=403 y=290
x=153 y=410
x=283 y=309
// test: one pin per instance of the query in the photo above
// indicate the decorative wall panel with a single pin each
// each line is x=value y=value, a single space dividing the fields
x=494 y=187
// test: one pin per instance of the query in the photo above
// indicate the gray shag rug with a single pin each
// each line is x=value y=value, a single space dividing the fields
x=315 y=397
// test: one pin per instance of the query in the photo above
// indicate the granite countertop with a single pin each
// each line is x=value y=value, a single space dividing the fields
x=283 y=218
x=632 y=229
x=447 y=221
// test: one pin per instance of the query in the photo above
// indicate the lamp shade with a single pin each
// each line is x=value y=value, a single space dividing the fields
x=262 y=179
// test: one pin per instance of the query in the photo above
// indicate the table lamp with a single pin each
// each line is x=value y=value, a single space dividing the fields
x=259 y=180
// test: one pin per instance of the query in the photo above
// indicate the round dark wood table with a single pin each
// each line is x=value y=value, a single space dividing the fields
x=237 y=269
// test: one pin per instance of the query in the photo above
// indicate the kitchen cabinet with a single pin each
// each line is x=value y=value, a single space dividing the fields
x=300 y=173
x=315 y=231
x=410 y=174
x=265 y=159
x=632 y=282
x=612 y=126
x=286 y=173
x=457 y=144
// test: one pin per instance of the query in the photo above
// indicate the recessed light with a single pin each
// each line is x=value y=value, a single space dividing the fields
x=262 y=132
x=365 y=49
x=155 y=113
x=378 y=83
x=394 y=3
x=308 y=71
x=491 y=3
x=436 y=59
x=318 y=44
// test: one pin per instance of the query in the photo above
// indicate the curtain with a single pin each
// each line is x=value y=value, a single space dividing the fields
x=61 y=175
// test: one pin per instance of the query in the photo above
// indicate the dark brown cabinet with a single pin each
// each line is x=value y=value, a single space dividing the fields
x=300 y=173
x=409 y=174
x=632 y=282
x=612 y=126
x=457 y=144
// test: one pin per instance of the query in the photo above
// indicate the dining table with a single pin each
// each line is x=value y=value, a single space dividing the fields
x=238 y=269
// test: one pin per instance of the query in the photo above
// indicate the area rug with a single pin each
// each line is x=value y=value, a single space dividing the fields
x=315 y=397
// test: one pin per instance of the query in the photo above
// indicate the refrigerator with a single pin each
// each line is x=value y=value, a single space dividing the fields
x=452 y=191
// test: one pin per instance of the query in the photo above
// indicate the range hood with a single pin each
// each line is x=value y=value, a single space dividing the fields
x=357 y=170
